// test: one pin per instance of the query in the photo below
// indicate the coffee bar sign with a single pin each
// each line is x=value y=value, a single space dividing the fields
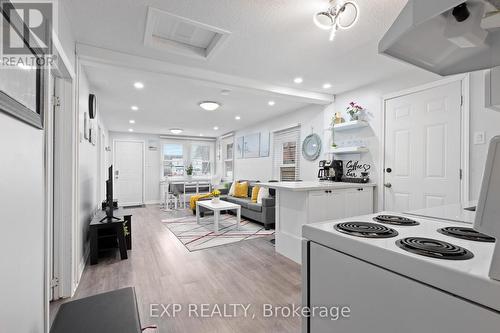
x=356 y=169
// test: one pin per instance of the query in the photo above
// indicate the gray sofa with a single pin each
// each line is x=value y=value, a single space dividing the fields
x=264 y=213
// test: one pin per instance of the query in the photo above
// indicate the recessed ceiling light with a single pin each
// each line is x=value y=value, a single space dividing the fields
x=201 y=134
x=298 y=80
x=138 y=85
x=176 y=131
x=134 y=108
x=237 y=117
x=216 y=128
x=209 y=106
x=327 y=86
x=131 y=121
x=130 y=129
x=225 y=92
x=271 y=103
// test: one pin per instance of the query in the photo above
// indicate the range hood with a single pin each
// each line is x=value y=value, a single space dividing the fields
x=446 y=36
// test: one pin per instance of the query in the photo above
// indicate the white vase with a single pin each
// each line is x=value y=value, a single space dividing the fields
x=215 y=200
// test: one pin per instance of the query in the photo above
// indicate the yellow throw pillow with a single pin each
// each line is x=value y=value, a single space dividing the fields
x=255 y=193
x=241 y=190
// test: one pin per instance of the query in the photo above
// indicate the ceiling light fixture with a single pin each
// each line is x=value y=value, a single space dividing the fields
x=340 y=15
x=201 y=134
x=176 y=131
x=138 y=85
x=131 y=121
x=298 y=80
x=216 y=128
x=327 y=86
x=130 y=129
x=237 y=117
x=209 y=106
x=271 y=103
x=134 y=108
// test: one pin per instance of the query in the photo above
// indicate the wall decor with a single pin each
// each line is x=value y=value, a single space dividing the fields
x=21 y=86
x=251 y=145
x=265 y=139
x=311 y=147
x=355 y=169
x=239 y=147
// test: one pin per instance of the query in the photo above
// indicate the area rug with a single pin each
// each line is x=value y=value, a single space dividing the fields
x=202 y=236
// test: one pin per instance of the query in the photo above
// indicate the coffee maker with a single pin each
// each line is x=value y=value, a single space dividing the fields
x=331 y=170
x=323 y=172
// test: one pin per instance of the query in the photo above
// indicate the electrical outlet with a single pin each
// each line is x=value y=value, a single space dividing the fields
x=479 y=138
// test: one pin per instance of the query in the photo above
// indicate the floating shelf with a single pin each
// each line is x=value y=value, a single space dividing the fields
x=350 y=125
x=349 y=150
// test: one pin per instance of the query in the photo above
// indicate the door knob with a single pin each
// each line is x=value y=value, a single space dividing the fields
x=388 y=185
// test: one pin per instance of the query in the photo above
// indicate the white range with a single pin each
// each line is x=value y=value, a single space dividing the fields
x=414 y=279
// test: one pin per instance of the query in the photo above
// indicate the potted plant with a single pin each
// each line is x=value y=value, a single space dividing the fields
x=189 y=172
x=354 y=110
x=215 y=196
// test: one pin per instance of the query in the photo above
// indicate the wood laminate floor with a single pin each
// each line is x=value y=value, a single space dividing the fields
x=164 y=272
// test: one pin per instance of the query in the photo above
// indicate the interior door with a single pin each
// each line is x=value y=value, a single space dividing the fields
x=422 y=150
x=128 y=171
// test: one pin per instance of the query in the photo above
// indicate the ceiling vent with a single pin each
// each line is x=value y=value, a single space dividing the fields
x=181 y=35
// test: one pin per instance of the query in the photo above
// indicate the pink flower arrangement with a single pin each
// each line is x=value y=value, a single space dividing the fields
x=354 y=110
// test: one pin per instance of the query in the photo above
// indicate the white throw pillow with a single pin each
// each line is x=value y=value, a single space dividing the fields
x=232 y=188
x=263 y=193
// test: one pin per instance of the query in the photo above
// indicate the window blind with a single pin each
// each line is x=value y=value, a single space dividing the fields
x=286 y=158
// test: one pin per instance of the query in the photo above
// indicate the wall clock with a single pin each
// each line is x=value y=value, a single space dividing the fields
x=311 y=147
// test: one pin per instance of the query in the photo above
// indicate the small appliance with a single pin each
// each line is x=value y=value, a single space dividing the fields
x=323 y=170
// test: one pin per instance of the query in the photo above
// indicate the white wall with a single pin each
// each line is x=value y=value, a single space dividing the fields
x=22 y=234
x=88 y=170
x=311 y=120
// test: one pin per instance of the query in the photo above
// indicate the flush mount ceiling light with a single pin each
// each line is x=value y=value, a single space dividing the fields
x=271 y=103
x=341 y=15
x=131 y=121
x=130 y=129
x=298 y=80
x=216 y=128
x=327 y=86
x=134 y=108
x=209 y=106
x=237 y=117
x=138 y=85
x=176 y=131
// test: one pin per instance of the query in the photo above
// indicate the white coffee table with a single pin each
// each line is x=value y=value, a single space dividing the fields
x=216 y=208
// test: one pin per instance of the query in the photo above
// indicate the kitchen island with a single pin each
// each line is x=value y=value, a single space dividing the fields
x=299 y=203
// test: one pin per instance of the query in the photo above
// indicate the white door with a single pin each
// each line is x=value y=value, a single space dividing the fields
x=128 y=168
x=422 y=148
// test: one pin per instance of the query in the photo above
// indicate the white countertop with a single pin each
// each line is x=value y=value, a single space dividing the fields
x=314 y=185
x=454 y=213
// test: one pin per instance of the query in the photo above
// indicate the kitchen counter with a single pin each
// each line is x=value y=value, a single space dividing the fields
x=314 y=185
x=300 y=203
x=454 y=213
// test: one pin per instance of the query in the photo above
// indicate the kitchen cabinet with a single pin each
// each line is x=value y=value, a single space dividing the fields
x=327 y=205
x=300 y=203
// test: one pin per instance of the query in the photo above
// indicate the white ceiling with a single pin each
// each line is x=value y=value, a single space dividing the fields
x=271 y=41
x=167 y=102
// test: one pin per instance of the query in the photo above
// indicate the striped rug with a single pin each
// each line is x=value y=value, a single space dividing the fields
x=202 y=236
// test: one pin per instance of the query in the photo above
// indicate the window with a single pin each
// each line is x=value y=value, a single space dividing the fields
x=228 y=157
x=177 y=155
x=286 y=154
x=173 y=160
x=200 y=159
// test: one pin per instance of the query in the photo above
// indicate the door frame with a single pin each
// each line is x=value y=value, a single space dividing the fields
x=143 y=142
x=464 y=133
